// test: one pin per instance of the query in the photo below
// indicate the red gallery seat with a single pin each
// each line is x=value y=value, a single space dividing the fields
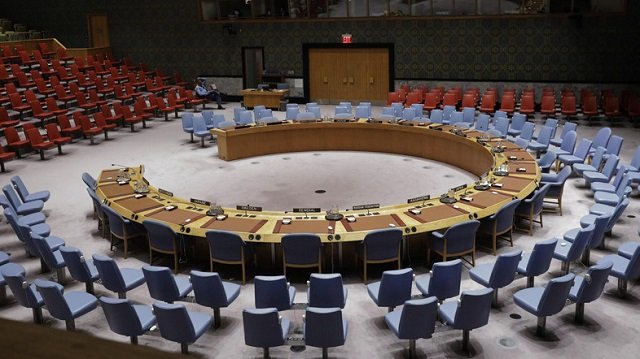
x=38 y=142
x=53 y=133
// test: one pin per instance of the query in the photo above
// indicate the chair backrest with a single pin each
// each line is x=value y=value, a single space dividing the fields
x=555 y=295
x=583 y=149
x=54 y=300
x=635 y=160
x=395 y=287
x=521 y=142
x=161 y=284
x=609 y=166
x=160 y=235
x=456 y=116
x=527 y=131
x=25 y=294
x=461 y=236
x=633 y=268
x=208 y=289
x=580 y=242
x=301 y=248
x=315 y=110
x=174 y=322
x=622 y=205
x=602 y=137
x=436 y=116
x=76 y=263
x=418 y=318
x=326 y=291
x=593 y=282
x=121 y=316
x=537 y=200
x=504 y=270
x=408 y=114
x=262 y=327
x=504 y=216
x=12 y=196
x=614 y=145
x=540 y=257
x=109 y=272
x=553 y=124
x=19 y=186
x=502 y=125
x=46 y=253
x=292 y=113
x=116 y=221
x=545 y=135
x=382 y=244
x=547 y=159
x=596 y=160
x=245 y=118
x=272 y=291
x=569 y=141
x=198 y=124
x=362 y=112
x=324 y=327
x=483 y=122
x=518 y=121
x=187 y=120
x=224 y=245
x=468 y=115
x=473 y=309
x=445 y=279
x=417 y=107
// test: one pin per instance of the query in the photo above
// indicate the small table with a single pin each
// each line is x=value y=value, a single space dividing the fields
x=267 y=98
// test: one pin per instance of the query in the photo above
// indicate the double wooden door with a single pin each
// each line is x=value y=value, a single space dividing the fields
x=348 y=74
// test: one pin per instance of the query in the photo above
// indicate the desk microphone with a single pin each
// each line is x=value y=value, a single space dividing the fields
x=119 y=165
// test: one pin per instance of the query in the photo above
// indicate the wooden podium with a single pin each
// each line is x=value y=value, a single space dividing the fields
x=267 y=98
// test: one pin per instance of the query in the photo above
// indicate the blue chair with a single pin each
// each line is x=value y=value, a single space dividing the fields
x=457 y=240
x=447 y=110
x=342 y=113
x=589 y=287
x=119 y=280
x=393 y=289
x=80 y=269
x=622 y=190
x=502 y=125
x=612 y=187
x=210 y=291
x=532 y=207
x=541 y=144
x=207 y=116
x=301 y=250
x=257 y=112
x=556 y=188
x=97 y=212
x=483 y=122
x=568 y=252
x=521 y=142
x=538 y=261
x=594 y=166
x=236 y=113
x=368 y=106
x=567 y=144
x=162 y=239
x=408 y=114
x=24 y=293
x=388 y=114
x=24 y=193
x=226 y=125
x=29 y=219
x=607 y=172
x=545 y=301
x=363 y=112
x=62 y=306
x=379 y=246
x=52 y=258
x=624 y=268
x=126 y=318
x=517 y=123
x=164 y=286
x=187 y=123
x=498 y=274
x=527 y=131
x=324 y=328
x=121 y=228
x=418 y=108
x=568 y=126
x=264 y=329
x=89 y=181
x=578 y=156
x=228 y=248
x=601 y=139
x=416 y=319
x=326 y=291
x=273 y=292
x=634 y=164
x=600 y=223
x=546 y=161
x=180 y=325
x=499 y=223
x=315 y=110
x=200 y=129
x=443 y=280
x=21 y=208
x=470 y=311
x=436 y=116
x=455 y=118
x=292 y=113
x=306 y=117
x=397 y=109
x=468 y=117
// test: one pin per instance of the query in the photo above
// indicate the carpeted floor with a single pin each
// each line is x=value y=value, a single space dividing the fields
x=289 y=180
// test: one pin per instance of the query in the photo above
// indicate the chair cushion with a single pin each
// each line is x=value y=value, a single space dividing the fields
x=529 y=299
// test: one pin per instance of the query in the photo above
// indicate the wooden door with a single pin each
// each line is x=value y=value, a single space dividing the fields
x=98 y=30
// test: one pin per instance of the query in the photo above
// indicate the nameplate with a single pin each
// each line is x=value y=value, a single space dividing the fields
x=249 y=208
x=306 y=210
x=456 y=189
x=419 y=199
x=200 y=201
x=366 y=206
x=165 y=192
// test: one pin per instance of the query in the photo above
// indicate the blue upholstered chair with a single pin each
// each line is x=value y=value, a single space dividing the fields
x=447 y=110
x=532 y=207
x=600 y=223
x=273 y=292
x=397 y=109
x=625 y=268
x=162 y=239
x=568 y=126
x=29 y=219
x=236 y=113
x=24 y=293
x=257 y=112
x=416 y=320
x=502 y=125
x=315 y=110
x=541 y=143
x=470 y=311
x=363 y=112
x=301 y=250
x=455 y=118
x=21 y=208
x=121 y=228
x=526 y=133
x=97 y=212
x=517 y=123
x=292 y=113
x=346 y=104
x=187 y=123
x=567 y=143
x=89 y=181
x=468 y=117
x=264 y=329
x=326 y=291
x=499 y=223
x=436 y=116
x=589 y=287
x=567 y=251
x=306 y=117
x=324 y=328
x=126 y=318
x=615 y=184
x=210 y=291
x=601 y=139
x=24 y=193
x=164 y=286
x=227 y=124
x=367 y=105
x=594 y=166
x=578 y=156
x=380 y=246
x=418 y=108
x=342 y=113
x=393 y=289
x=538 y=261
x=52 y=258
x=443 y=281
x=546 y=161
x=498 y=274
x=545 y=301
x=119 y=280
x=245 y=118
x=80 y=269
x=482 y=124
x=457 y=240
x=388 y=114
x=180 y=325
x=556 y=190
x=228 y=248
x=521 y=142
x=605 y=176
x=207 y=116
x=62 y=306
x=200 y=129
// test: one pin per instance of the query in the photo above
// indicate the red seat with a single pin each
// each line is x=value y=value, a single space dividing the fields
x=42 y=87
x=52 y=106
x=548 y=105
x=192 y=100
x=39 y=113
x=45 y=69
x=488 y=102
x=110 y=117
x=634 y=107
x=413 y=98
x=5 y=120
x=178 y=80
x=87 y=127
x=153 y=88
x=100 y=122
x=54 y=136
x=62 y=95
x=5 y=156
x=23 y=80
x=450 y=99
x=430 y=101
x=508 y=103
x=84 y=103
x=469 y=100
x=64 y=75
x=66 y=128
x=14 y=141
x=25 y=59
x=18 y=105
x=569 y=106
x=130 y=89
x=62 y=55
x=162 y=107
x=5 y=76
x=44 y=50
x=38 y=142
x=129 y=118
x=93 y=97
x=140 y=111
x=612 y=107
x=172 y=100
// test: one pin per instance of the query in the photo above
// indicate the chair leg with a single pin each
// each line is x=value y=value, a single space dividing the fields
x=175 y=263
x=530 y=281
x=565 y=268
x=3 y=295
x=622 y=287
x=465 y=341
x=541 y=327
x=495 y=239
x=126 y=247
x=216 y=318
x=265 y=353
x=59 y=149
x=89 y=287
x=494 y=300
x=579 y=317
x=412 y=348
x=325 y=353
x=41 y=154
x=37 y=315
x=243 y=273
x=365 y=272
x=586 y=256
x=61 y=275
x=122 y=295
x=184 y=348
x=134 y=340
x=71 y=324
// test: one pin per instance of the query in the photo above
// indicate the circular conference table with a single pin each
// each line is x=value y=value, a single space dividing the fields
x=468 y=149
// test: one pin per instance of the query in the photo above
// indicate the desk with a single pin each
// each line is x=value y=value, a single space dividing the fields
x=268 y=99
x=267 y=227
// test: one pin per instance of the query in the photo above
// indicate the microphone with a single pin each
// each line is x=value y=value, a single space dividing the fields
x=119 y=165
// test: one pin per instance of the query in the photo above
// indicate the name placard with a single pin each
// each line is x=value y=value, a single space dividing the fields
x=165 y=192
x=456 y=189
x=249 y=208
x=366 y=206
x=200 y=201
x=419 y=199
x=306 y=210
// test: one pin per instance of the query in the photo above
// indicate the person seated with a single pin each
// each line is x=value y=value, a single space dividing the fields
x=212 y=93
